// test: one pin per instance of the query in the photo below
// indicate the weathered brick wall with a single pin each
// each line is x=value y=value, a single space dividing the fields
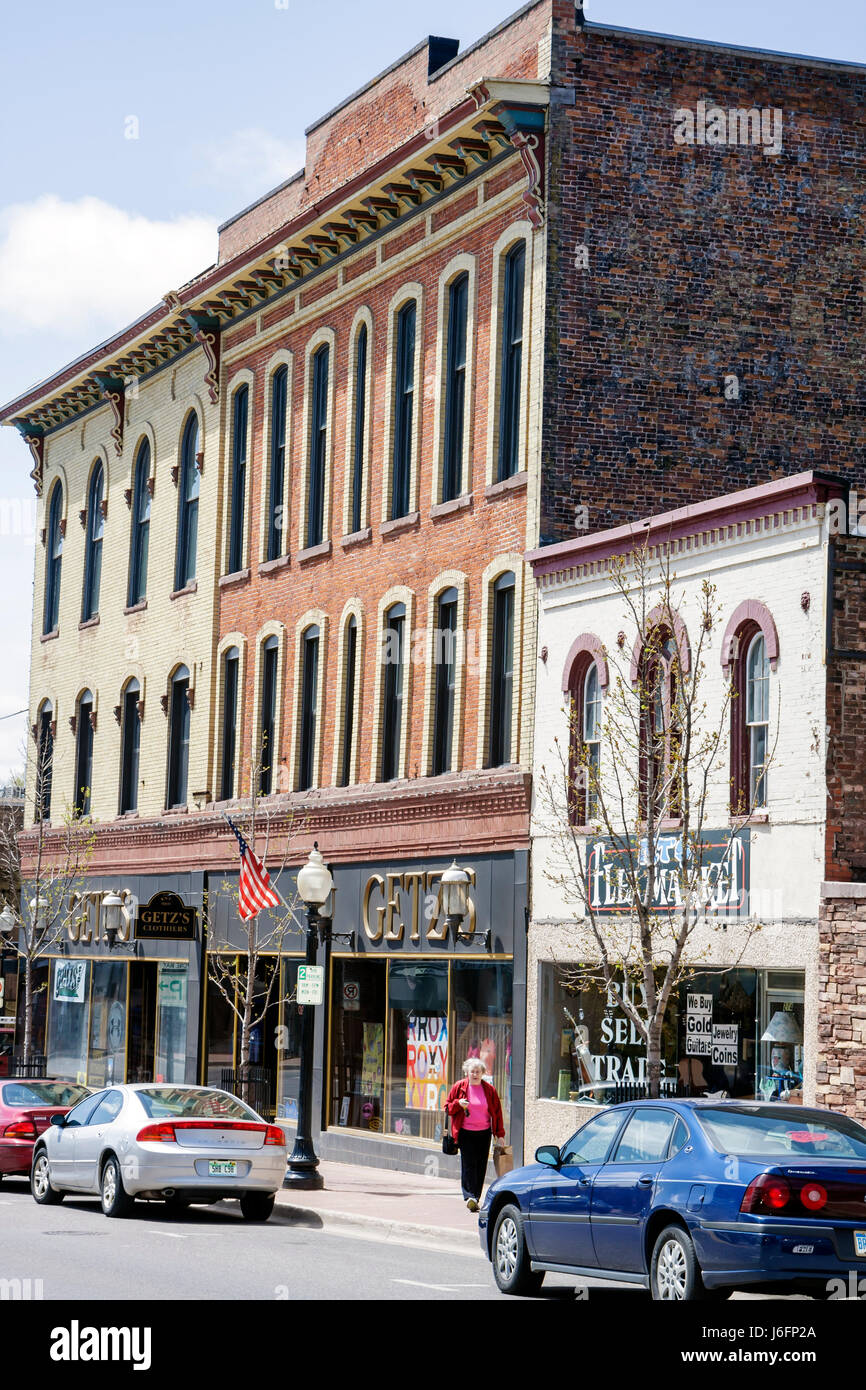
x=703 y=261
x=846 y=712
x=841 y=1071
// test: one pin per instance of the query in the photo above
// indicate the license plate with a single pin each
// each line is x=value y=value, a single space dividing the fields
x=227 y=1168
x=860 y=1243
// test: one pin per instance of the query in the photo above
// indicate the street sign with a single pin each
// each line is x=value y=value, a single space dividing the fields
x=311 y=984
x=351 y=996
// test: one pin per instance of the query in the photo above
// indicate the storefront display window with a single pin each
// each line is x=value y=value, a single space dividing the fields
x=358 y=1044
x=172 y=994
x=482 y=1007
x=418 y=1055
x=220 y=1051
x=68 y=1012
x=107 y=1052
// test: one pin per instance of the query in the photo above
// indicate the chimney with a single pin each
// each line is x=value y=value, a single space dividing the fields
x=440 y=52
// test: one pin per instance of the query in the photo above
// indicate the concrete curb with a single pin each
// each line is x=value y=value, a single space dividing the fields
x=381 y=1228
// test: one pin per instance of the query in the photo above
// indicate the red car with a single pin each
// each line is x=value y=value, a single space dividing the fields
x=26 y=1108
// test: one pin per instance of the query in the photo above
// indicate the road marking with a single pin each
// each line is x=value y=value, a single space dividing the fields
x=172 y=1235
x=442 y=1288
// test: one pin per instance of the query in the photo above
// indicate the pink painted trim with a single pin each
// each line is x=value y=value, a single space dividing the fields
x=657 y=617
x=752 y=610
x=587 y=642
x=803 y=489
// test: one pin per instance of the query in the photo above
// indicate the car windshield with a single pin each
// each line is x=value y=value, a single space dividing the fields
x=163 y=1102
x=772 y=1132
x=42 y=1093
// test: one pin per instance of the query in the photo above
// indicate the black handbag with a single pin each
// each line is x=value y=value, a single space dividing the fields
x=449 y=1143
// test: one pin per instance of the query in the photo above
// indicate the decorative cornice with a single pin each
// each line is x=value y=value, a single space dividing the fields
x=35 y=437
x=206 y=330
x=113 y=389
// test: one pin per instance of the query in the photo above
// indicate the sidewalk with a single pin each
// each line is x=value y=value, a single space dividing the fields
x=407 y=1208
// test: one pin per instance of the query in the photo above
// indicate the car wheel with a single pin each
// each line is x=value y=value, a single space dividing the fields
x=116 y=1201
x=257 y=1206
x=40 y=1182
x=675 y=1272
x=511 y=1268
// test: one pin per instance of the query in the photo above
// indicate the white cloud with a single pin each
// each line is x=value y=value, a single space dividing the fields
x=250 y=162
x=86 y=269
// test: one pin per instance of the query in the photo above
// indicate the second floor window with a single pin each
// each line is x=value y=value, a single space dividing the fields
x=585 y=757
x=455 y=388
x=502 y=672
x=318 y=446
x=276 y=520
x=445 y=666
x=660 y=683
x=44 y=761
x=130 y=745
x=93 y=554
x=53 y=560
x=270 y=653
x=140 y=537
x=231 y=668
x=757 y=718
x=404 y=399
x=511 y=361
x=239 y=478
x=178 y=738
x=392 y=695
x=309 y=687
x=83 y=755
x=187 y=506
x=360 y=427
x=350 y=658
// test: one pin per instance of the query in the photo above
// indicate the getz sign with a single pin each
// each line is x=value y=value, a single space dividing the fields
x=392 y=906
x=86 y=919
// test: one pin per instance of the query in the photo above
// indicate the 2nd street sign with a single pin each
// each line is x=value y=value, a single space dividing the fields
x=311 y=984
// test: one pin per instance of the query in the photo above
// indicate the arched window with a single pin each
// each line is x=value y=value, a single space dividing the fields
x=309 y=690
x=393 y=654
x=360 y=428
x=240 y=413
x=53 y=560
x=44 y=760
x=187 y=506
x=318 y=446
x=93 y=553
x=404 y=399
x=83 y=754
x=350 y=661
x=231 y=670
x=130 y=744
x=502 y=672
x=276 y=523
x=270 y=656
x=178 y=738
x=750 y=718
x=585 y=757
x=445 y=667
x=660 y=678
x=140 y=533
x=511 y=360
x=455 y=388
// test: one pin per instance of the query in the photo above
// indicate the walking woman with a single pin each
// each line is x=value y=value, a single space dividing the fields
x=476 y=1117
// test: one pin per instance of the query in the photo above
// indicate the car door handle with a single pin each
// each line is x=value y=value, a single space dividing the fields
x=586 y=1182
x=645 y=1180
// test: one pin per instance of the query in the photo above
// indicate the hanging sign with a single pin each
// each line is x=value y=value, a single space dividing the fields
x=165 y=917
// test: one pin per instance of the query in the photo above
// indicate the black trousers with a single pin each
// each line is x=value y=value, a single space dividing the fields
x=474 y=1145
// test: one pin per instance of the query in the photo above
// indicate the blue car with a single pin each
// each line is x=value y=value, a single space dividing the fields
x=690 y=1199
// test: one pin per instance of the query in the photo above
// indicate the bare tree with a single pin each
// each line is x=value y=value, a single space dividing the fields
x=628 y=817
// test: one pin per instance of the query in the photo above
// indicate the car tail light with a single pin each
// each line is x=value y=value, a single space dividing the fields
x=22 y=1129
x=813 y=1196
x=161 y=1133
x=768 y=1192
x=275 y=1135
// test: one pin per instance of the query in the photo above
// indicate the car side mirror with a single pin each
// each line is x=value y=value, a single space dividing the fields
x=548 y=1154
x=58 y=1120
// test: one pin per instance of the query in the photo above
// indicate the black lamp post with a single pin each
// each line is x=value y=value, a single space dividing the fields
x=314 y=885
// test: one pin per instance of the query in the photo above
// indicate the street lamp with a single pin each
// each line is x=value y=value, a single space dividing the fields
x=314 y=885
x=39 y=911
x=455 y=903
x=8 y=921
x=112 y=916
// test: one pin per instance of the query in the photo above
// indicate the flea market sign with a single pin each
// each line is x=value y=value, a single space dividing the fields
x=165 y=917
x=722 y=873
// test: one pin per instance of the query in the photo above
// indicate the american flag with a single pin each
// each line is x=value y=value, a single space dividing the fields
x=254 y=889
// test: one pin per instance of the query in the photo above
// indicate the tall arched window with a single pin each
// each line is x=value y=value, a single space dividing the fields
x=44 y=760
x=404 y=399
x=93 y=553
x=360 y=428
x=268 y=754
x=660 y=678
x=53 y=560
x=585 y=740
x=178 y=738
x=455 y=387
x=309 y=691
x=240 y=413
x=276 y=520
x=140 y=533
x=83 y=754
x=511 y=360
x=445 y=667
x=502 y=672
x=318 y=446
x=350 y=661
x=187 y=506
x=757 y=718
x=130 y=745
x=231 y=670
x=393 y=654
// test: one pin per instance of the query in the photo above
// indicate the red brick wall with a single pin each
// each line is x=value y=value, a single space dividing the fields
x=703 y=262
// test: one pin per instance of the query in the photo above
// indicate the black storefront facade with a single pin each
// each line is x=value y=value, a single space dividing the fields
x=405 y=1004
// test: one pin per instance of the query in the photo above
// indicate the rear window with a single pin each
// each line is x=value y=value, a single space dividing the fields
x=163 y=1102
x=42 y=1093
x=771 y=1132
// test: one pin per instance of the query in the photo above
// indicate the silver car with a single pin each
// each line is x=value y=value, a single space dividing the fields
x=180 y=1144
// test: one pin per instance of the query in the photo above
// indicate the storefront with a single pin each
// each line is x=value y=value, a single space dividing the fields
x=125 y=1012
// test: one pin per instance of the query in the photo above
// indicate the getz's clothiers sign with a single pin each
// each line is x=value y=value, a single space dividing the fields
x=722 y=873
x=409 y=902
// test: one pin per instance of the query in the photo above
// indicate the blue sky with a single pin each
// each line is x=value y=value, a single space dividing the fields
x=95 y=226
